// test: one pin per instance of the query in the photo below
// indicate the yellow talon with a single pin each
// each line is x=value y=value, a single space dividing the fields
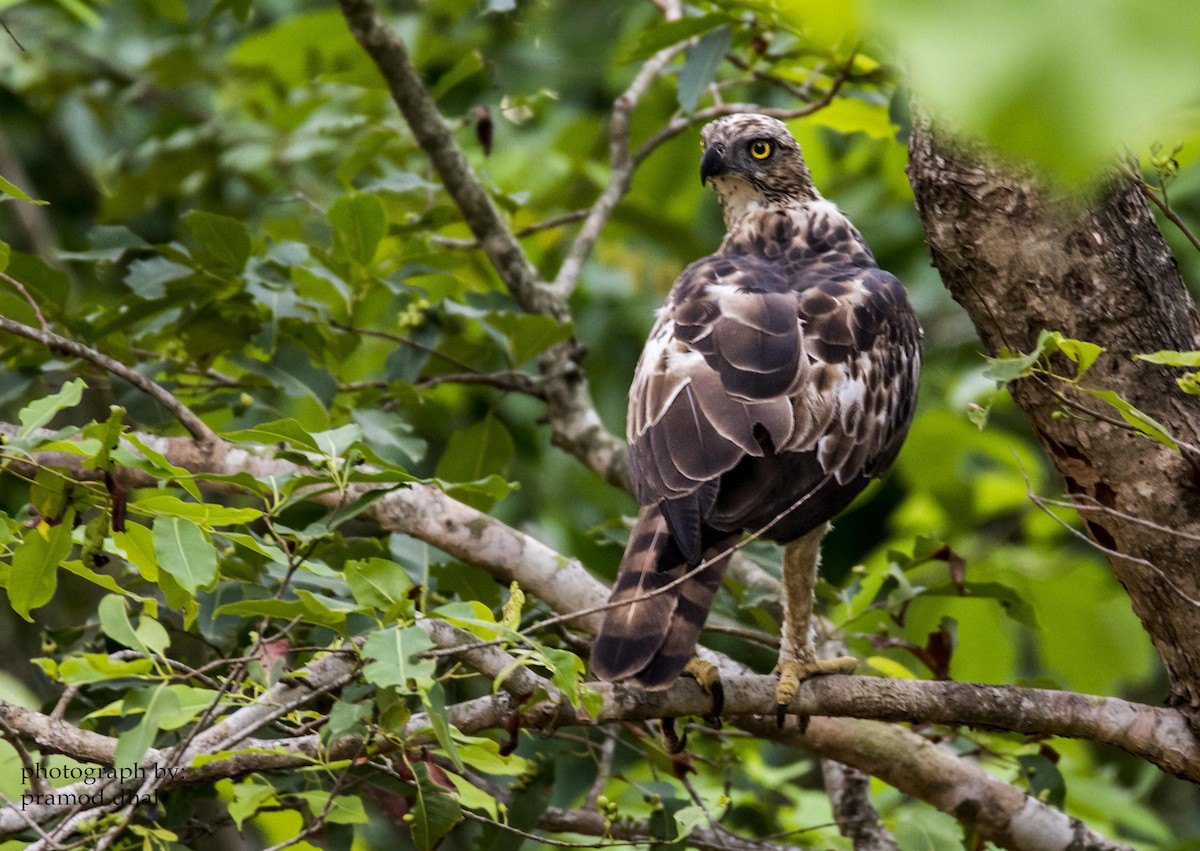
x=796 y=671
x=709 y=678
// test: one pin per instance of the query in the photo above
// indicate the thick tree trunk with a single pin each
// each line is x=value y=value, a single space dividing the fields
x=1020 y=261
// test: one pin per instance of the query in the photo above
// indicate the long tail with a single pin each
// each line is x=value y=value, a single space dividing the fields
x=650 y=640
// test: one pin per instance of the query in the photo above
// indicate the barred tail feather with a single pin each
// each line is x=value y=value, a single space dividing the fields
x=649 y=641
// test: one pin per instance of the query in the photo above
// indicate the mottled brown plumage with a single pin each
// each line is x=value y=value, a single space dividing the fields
x=779 y=379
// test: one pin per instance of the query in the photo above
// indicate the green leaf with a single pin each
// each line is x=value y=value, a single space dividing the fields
x=1043 y=778
x=98 y=667
x=206 y=514
x=35 y=562
x=527 y=335
x=389 y=435
x=1010 y=601
x=5 y=253
x=1140 y=420
x=1171 y=358
x=700 y=68
x=154 y=703
x=434 y=810
x=137 y=545
x=222 y=244
x=1080 y=351
x=115 y=623
x=343 y=809
x=38 y=413
x=393 y=660
x=359 y=221
x=381 y=584
x=476 y=452
x=853 y=115
x=468 y=65
x=13 y=191
x=1009 y=366
x=434 y=701
x=157 y=464
x=661 y=35
x=278 y=431
x=248 y=798
x=184 y=552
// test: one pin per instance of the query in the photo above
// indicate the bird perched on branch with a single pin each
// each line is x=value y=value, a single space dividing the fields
x=779 y=380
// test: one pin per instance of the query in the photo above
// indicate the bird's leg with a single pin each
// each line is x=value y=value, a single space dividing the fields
x=797 y=657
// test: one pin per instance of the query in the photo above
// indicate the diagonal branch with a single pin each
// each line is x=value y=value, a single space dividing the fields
x=195 y=426
x=432 y=133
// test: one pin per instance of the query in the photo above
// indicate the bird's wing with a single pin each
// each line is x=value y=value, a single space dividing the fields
x=803 y=372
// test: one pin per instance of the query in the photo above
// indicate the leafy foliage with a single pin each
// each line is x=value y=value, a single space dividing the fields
x=237 y=211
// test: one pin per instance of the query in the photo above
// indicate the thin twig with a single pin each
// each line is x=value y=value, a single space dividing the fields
x=528 y=230
x=194 y=425
x=621 y=168
x=19 y=287
x=1168 y=211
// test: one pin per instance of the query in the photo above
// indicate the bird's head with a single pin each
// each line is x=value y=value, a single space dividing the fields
x=752 y=162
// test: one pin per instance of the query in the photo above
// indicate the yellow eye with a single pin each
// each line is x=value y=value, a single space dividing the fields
x=760 y=150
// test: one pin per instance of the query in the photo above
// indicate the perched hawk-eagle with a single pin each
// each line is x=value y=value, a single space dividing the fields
x=779 y=379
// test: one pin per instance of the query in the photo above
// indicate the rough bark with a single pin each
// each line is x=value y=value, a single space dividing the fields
x=1021 y=260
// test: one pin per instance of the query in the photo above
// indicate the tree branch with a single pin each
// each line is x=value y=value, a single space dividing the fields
x=195 y=426
x=430 y=130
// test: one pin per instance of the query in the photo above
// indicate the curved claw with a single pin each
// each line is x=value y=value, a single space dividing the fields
x=671 y=742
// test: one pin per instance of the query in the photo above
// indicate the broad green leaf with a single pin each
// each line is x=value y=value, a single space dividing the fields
x=527 y=335
x=1083 y=353
x=222 y=244
x=660 y=35
x=381 y=584
x=434 y=810
x=5 y=253
x=248 y=798
x=1170 y=358
x=471 y=797
x=37 y=414
x=13 y=191
x=206 y=514
x=154 y=703
x=478 y=451
x=1008 y=366
x=468 y=65
x=434 y=701
x=136 y=543
x=148 y=278
x=184 y=552
x=343 y=809
x=279 y=431
x=853 y=115
x=115 y=623
x=393 y=658
x=359 y=221
x=1010 y=601
x=700 y=68
x=1140 y=420
x=103 y=580
x=97 y=667
x=156 y=463
x=389 y=435
x=1043 y=779
x=35 y=562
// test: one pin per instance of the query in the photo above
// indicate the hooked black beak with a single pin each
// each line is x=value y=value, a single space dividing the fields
x=712 y=165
